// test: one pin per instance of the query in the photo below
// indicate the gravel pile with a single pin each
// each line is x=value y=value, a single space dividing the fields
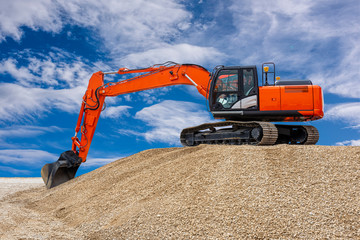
x=204 y=192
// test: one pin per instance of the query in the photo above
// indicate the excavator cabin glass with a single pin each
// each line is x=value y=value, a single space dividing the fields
x=226 y=89
x=235 y=89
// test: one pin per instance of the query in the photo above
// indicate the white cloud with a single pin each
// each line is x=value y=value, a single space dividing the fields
x=181 y=53
x=26 y=157
x=129 y=132
x=152 y=96
x=21 y=104
x=312 y=39
x=139 y=29
x=127 y=98
x=115 y=112
x=58 y=68
x=22 y=73
x=26 y=131
x=56 y=80
x=122 y=25
x=168 y=118
x=355 y=127
x=346 y=112
x=342 y=80
x=306 y=39
x=33 y=157
x=14 y=170
x=349 y=143
x=35 y=14
x=128 y=25
x=22 y=131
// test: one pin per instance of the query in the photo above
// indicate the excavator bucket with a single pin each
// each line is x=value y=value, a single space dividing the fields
x=62 y=170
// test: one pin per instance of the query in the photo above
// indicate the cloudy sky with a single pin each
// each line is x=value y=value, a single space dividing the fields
x=50 y=48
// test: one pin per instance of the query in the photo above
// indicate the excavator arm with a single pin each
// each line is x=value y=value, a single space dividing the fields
x=157 y=76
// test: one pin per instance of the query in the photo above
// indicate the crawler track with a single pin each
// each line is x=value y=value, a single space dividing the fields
x=312 y=135
x=253 y=133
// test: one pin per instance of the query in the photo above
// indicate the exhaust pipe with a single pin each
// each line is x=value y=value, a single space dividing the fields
x=63 y=170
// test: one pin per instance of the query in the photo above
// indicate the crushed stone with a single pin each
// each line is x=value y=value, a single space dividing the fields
x=203 y=192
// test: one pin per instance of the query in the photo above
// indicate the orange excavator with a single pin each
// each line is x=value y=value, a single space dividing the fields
x=233 y=93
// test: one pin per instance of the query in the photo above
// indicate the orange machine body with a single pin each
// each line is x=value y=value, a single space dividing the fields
x=306 y=99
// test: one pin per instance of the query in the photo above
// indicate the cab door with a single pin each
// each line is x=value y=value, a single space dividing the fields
x=248 y=92
x=225 y=91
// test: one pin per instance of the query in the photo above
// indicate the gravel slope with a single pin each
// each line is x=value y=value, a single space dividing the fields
x=204 y=192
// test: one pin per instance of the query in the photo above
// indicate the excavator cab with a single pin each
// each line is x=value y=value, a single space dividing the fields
x=234 y=89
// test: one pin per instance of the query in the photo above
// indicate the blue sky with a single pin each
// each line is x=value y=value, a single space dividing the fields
x=50 y=48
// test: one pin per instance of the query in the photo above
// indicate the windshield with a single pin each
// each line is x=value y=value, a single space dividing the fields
x=227 y=81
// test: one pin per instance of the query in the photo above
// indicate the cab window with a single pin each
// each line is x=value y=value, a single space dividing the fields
x=226 y=89
x=248 y=80
x=227 y=81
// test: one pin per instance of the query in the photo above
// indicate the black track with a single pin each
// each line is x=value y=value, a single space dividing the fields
x=251 y=133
